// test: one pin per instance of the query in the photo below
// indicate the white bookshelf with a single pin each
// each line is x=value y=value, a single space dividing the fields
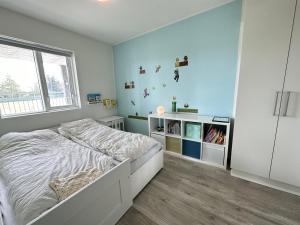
x=190 y=147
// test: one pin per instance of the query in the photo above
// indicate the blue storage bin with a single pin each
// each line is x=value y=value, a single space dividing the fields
x=191 y=149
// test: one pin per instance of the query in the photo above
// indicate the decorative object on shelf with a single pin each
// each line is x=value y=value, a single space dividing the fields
x=142 y=71
x=160 y=110
x=186 y=105
x=129 y=85
x=221 y=119
x=94 y=98
x=160 y=128
x=146 y=93
x=179 y=63
x=157 y=68
x=187 y=110
x=137 y=117
x=164 y=85
x=132 y=102
x=176 y=77
x=174 y=104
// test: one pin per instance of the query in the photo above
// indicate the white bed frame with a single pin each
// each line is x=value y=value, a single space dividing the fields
x=140 y=178
x=102 y=202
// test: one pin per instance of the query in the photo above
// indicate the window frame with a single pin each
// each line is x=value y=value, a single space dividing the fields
x=38 y=49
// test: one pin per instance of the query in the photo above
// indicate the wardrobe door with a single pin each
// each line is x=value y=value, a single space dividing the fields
x=266 y=27
x=286 y=158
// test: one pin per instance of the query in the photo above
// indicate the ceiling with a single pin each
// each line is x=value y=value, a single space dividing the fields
x=113 y=21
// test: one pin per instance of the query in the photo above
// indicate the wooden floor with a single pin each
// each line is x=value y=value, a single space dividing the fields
x=190 y=193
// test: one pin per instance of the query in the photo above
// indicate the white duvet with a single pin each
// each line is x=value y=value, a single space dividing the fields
x=29 y=161
x=118 y=144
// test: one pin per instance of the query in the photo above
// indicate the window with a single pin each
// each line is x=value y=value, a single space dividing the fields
x=35 y=78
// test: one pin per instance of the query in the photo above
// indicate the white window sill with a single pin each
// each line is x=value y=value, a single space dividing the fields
x=60 y=109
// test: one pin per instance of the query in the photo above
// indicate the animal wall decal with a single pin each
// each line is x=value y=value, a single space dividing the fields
x=142 y=71
x=157 y=68
x=146 y=93
x=129 y=85
x=176 y=77
x=179 y=63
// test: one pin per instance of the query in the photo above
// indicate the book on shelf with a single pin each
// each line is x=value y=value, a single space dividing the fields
x=215 y=136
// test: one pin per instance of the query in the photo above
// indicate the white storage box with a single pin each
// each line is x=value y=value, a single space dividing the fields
x=213 y=153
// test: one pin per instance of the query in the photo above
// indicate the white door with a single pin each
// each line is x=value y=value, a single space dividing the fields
x=286 y=158
x=266 y=26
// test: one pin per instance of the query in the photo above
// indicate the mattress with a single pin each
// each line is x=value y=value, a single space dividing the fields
x=139 y=162
x=51 y=156
x=6 y=211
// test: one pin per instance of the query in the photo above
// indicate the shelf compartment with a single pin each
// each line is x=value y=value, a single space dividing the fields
x=215 y=134
x=191 y=149
x=173 y=144
x=213 y=153
x=192 y=130
x=156 y=125
x=173 y=127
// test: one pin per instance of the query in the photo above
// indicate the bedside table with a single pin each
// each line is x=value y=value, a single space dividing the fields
x=116 y=122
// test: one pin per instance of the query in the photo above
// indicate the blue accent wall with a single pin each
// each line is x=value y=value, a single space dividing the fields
x=209 y=39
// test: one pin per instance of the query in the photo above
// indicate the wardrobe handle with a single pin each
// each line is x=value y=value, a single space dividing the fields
x=275 y=113
x=286 y=102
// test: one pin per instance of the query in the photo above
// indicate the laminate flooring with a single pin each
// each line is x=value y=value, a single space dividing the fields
x=189 y=193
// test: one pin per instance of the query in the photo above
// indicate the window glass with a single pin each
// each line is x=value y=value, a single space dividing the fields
x=58 y=79
x=19 y=82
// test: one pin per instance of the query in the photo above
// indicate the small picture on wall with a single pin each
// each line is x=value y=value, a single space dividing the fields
x=94 y=98
x=142 y=71
x=179 y=63
x=129 y=85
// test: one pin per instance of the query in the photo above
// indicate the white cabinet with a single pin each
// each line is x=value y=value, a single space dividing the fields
x=286 y=158
x=266 y=27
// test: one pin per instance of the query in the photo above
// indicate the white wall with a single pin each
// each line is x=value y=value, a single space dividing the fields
x=94 y=62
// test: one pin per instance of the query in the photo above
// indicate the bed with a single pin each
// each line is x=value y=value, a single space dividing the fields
x=145 y=153
x=30 y=161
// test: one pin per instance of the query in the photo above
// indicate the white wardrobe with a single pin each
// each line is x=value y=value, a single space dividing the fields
x=266 y=141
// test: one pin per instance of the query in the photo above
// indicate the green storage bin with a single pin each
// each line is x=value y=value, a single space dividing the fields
x=193 y=130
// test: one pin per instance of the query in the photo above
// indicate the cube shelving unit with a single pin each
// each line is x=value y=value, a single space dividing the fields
x=187 y=135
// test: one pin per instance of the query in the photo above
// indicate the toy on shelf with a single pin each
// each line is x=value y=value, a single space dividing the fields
x=179 y=63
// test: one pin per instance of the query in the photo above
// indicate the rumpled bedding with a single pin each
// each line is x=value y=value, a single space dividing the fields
x=30 y=161
x=118 y=144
